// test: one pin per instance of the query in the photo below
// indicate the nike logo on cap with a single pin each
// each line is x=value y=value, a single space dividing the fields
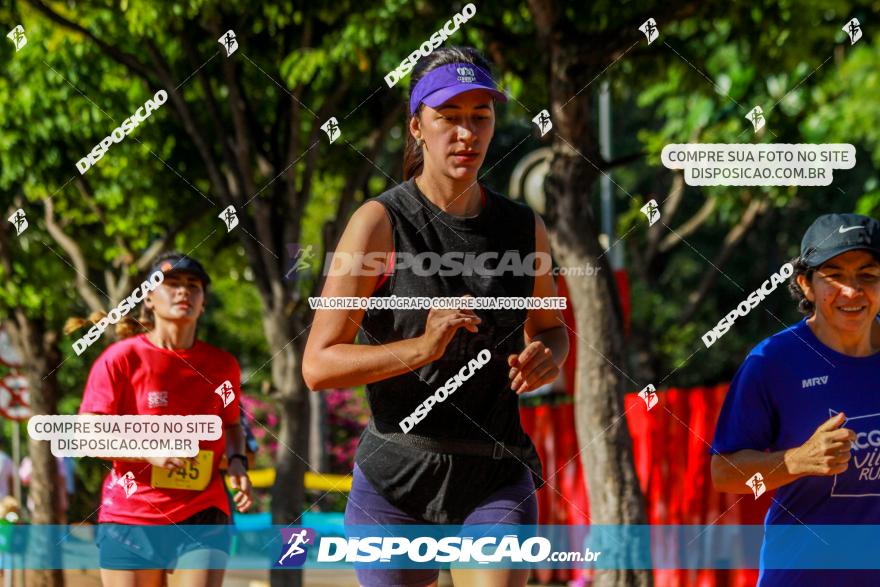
x=841 y=230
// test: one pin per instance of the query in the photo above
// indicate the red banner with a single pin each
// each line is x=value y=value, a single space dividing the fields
x=671 y=450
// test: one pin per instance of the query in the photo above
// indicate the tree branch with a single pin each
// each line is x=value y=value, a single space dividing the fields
x=213 y=112
x=755 y=209
x=122 y=57
x=216 y=178
x=290 y=196
x=73 y=250
x=88 y=195
x=225 y=191
x=668 y=207
x=189 y=125
x=620 y=161
x=333 y=229
x=296 y=200
x=164 y=242
x=689 y=227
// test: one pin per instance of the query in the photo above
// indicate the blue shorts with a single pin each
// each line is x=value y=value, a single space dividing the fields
x=512 y=504
x=134 y=547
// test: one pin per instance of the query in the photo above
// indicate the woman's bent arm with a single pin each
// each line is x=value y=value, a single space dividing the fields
x=331 y=360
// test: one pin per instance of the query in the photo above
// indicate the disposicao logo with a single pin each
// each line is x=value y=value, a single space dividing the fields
x=296 y=546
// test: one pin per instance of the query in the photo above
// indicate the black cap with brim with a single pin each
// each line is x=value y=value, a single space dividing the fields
x=181 y=264
x=834 y=234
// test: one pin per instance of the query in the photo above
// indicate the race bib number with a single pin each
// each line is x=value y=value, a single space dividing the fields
x=195 y=476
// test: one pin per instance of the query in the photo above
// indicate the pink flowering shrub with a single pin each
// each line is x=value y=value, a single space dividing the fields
x=261 y=416
x=347 y=416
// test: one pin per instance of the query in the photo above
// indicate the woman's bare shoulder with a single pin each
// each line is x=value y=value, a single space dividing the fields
x=369 y=227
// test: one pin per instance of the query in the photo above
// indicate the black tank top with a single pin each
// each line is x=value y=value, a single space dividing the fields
x=444 y=488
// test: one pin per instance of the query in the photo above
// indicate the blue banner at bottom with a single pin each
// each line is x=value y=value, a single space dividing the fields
x=117 y=546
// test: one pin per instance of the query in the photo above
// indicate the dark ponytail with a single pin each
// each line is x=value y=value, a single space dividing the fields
x=412 y=153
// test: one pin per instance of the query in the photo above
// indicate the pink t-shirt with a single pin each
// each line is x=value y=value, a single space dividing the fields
x=133 y=376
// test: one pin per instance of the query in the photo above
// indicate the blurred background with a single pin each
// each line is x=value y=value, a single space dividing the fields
x=244 y=130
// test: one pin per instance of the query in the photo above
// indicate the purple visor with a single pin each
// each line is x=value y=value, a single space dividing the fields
x=447 y=81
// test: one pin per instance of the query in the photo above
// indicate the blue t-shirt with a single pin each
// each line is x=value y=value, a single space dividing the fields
x=787 y=386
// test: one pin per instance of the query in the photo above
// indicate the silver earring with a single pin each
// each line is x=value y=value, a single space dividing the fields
x=418 y=142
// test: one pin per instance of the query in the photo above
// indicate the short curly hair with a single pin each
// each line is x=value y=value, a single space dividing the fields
x=804 y=305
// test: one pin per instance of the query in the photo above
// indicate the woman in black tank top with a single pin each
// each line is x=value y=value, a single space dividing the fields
x=445 y=444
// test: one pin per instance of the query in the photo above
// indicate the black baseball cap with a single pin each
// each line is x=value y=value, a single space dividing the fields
x=181 y=264
x=834 y=234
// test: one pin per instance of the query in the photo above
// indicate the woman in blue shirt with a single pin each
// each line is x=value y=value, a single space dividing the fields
x=803 y=410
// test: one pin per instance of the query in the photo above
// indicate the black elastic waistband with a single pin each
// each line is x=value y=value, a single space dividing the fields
x=496 y=450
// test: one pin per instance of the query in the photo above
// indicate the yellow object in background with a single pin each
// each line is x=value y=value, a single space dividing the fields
x=264 y=478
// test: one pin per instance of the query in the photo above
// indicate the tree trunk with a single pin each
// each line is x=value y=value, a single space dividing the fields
x=606 y=447
x=39 y=349
x=291 y=462
x=319 y=456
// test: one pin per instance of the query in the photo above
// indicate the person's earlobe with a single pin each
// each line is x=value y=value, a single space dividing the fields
x=415 y=130
x=805 y=287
